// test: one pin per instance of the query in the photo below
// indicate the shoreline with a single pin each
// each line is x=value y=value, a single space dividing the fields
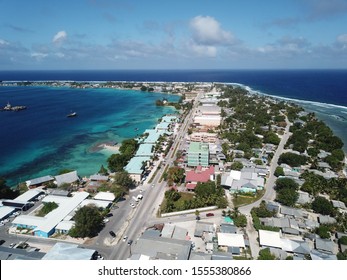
x=111 y=147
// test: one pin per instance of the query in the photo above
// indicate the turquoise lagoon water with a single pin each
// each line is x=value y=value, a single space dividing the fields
x=42 y=140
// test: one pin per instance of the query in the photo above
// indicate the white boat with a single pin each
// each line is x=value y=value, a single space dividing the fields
x=74 y=114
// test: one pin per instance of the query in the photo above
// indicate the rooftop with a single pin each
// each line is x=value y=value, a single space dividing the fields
x=135 y=165
x=197 y=147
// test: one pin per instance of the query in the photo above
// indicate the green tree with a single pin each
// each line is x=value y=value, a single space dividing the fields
x=287 y=196
x=6 y=192
x=122 y=178
x=342 y=255
x=291 y=159
x=205 y=189
x=47 y=207
x=236 y=165
x=103 y=170
x=88 y=222
x=322 y=205
x=286 y=183
x=175 y=175
x=323 y=231
x=240 y=221
x=265 y=254
x=116 y=162
x=343 y=240
x=279 y=171
x=272 y=138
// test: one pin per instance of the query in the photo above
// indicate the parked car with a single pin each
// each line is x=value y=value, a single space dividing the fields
x=2 y=241
x=112 y=234
x=130 y=242
x=109 y=215
x=197 y=218
x=125 y=238
x=12 y=245
x=209 y=215
x=106 y=221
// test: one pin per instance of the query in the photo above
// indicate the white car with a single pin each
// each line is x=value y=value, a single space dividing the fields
x=132 y=205
x=125 y=238
x=106 y=221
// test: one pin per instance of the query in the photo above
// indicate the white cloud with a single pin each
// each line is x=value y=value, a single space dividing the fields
x=60 y=37
x=200 y=50
x=207 y=31
x=342 y=39
x=39 y=55
x=4 y=43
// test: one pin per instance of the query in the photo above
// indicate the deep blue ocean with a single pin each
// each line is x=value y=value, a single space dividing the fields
x=41 y=140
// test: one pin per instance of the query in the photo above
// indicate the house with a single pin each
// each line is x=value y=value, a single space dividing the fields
x=242 y=181
x=230 y=240
x=99 y=178
x=292 y=212
x=325 y=219
x=202 y=227
x=200 y=174
x=325 y=246
x=67 y=251
x=304 y=198
x=66 y=178
x=33 y=183
x=136 y=167
x=160 y=248
x=339 y=204
x=106 y=196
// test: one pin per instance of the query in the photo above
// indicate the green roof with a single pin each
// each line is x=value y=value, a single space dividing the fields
x=197 y=147
x=135 y=165
x=145 y=150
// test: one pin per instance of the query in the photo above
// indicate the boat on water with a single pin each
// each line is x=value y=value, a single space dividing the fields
x=9 y=107
x=73 y=114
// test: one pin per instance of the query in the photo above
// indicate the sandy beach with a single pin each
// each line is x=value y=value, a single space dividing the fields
x=109 y=146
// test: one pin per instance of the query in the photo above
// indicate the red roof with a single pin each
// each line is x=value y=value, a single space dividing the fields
x=199 y=175
x=191 y=186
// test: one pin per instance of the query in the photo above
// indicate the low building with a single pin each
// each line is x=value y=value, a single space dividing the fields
x=136 y=167
x=204 y=137
x=106 y=196
x=66 y=251
x=66 y=178
x=242 y=181
x=160 y=248
x=33 y=183
x=199 y=175
x=6 y=211
x=98 y=178
x=208 y=120
x=145 y=150
x=231 y=240
x=45 y=226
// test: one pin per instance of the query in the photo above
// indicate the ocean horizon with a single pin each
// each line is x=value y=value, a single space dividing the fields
x=320 y=91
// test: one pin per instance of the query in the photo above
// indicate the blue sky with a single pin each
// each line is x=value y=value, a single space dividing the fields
x=173 y=34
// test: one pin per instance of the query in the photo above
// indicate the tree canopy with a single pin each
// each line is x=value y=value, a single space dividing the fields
x=292 y=159
x=322 y=205
x=88 y=222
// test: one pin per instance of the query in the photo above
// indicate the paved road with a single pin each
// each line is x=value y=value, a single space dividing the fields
x=153 y=195
x=270 y=194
